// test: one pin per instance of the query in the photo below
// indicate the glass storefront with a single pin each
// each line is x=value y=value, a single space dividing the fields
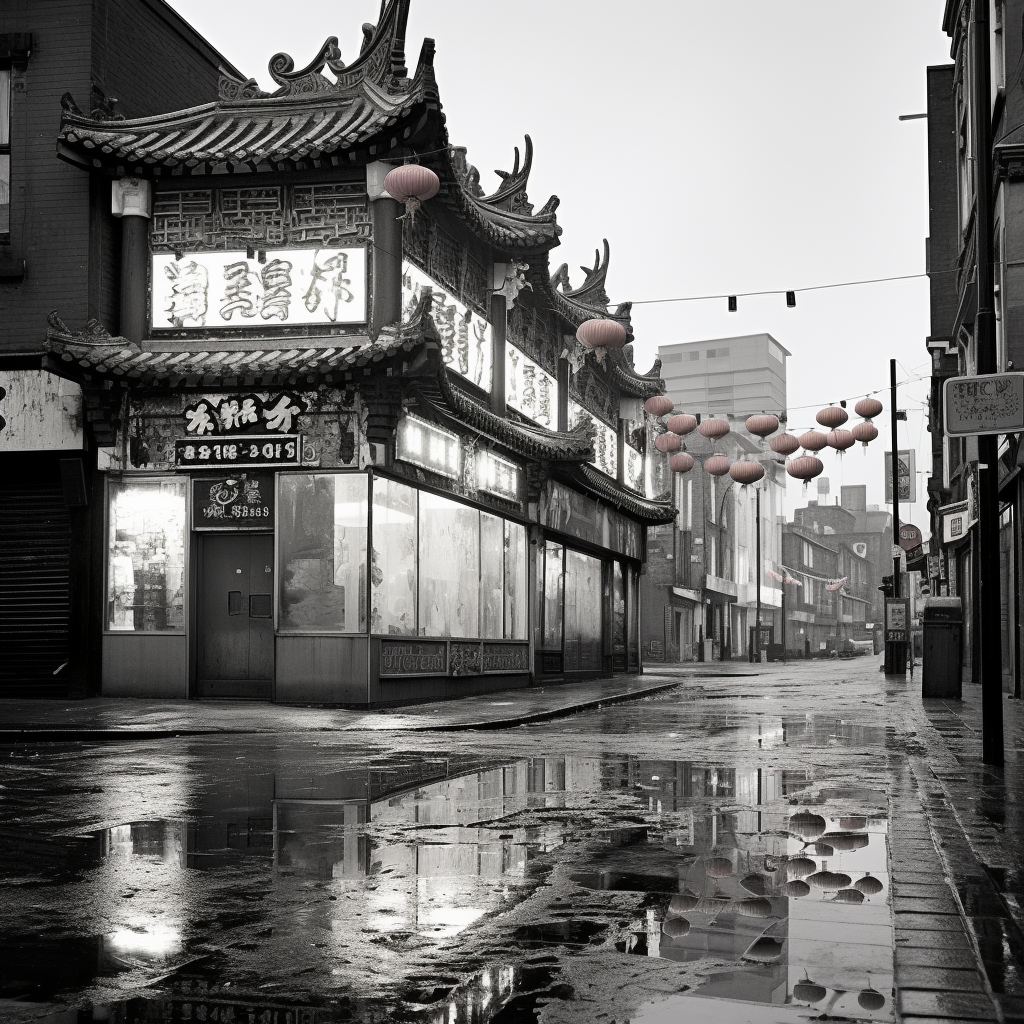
x=146 y=555
x=582 y=611
x=322 y=552
x=553 y=578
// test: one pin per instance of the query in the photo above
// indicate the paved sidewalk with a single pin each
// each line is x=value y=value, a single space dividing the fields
x=110 y=718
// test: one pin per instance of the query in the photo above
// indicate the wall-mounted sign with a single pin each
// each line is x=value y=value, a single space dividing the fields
x=606 y=441
x=248 y=451
x=907 y=474
x=529 y=388
x=955 y=521
x=240 y=501
x=466 y=337
x=228 y=289
x=428 y=446
x=497 y=475
x=992 y=403
x=241 y=414
x=633 y=468
x=413 y=658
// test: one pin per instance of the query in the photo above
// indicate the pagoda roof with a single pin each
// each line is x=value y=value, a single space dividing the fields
x=587 y=478
x=309 y=120
x=629 y=380
x=94 y=355
x=590 y=300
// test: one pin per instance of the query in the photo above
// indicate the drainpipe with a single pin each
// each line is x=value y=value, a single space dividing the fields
x=131 y=200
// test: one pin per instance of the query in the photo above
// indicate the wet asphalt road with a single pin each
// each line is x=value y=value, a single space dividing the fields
x=715 y=852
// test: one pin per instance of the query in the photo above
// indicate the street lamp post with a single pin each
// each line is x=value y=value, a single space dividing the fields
x=757 y=575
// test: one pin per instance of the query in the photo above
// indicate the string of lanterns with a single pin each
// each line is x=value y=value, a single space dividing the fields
x=804 y=467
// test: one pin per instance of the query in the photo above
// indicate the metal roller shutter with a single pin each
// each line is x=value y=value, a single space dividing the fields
x=35 y=542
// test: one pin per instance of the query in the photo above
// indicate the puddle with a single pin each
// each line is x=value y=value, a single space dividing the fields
x=419 y=889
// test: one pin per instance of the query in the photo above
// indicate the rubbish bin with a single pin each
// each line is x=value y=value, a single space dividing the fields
x=942 y=658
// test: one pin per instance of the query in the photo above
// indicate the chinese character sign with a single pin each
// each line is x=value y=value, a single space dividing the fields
x=606 y=440
x=466 y=338
x=229 y=502
x=906 y=471
x=239 y=414
x=228 y=289
x=992 y=403
x=530 y=389
x=633 y=468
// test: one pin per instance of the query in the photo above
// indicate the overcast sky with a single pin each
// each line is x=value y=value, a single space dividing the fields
x=720 y=147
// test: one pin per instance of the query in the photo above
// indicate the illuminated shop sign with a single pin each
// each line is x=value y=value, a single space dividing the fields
x=430 y=447
x=633 y=468
x=466 y=339
x=497 y=476
x=529 y=388
x=239 y=414
x=606 y=441
x=230 y=289
x=250 y=450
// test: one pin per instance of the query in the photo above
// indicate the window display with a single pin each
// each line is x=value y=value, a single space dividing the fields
x=618 y=614
x=492 y=576
x=582 y=611
x=146 y=566
x=449 y=568
x=322 y=552
x=393 y=568
x=515 y=581
x=552 y=596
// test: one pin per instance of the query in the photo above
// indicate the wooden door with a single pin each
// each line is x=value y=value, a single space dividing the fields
x=234 y=621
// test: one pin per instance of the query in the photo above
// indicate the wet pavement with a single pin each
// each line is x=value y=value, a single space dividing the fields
x=810 y=842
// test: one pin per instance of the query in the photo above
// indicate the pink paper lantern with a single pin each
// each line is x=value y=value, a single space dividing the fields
x=717 y=465
x=659 y=405
x=806 y=467
x=832 y=416
x=813 y=441
x=868 y=408
x=784 y=444
x=411 y=184
x=667 y=442
x=681 y=462
x=762 y=424
x=600 y=333
x=746 y=472
x=682 y=424
x=840 y=440
x=714 y=428
x=865 y=432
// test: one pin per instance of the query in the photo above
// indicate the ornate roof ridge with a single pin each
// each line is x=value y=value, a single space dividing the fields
x=592 y=291
x=381 y=61
x=624 y=373
x=603 y=487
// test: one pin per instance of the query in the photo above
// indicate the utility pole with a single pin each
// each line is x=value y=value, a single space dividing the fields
x=758 y=574
x=986 y=611
x=895 y=652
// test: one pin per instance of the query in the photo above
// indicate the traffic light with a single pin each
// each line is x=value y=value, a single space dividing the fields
x=886 y=587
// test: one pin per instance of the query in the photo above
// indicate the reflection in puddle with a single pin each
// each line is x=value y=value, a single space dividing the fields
x=329 y=882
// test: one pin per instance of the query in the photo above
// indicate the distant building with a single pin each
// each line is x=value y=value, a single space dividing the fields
x=727 y=376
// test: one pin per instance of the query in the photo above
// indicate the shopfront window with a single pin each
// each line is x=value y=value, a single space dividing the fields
x=582 y=611
x=515 y=581
x=449 y=567
x=146 y=567
x=618 y=613
x=492 y=576
x=552 y=596
x=393 y=569
x=322 y=545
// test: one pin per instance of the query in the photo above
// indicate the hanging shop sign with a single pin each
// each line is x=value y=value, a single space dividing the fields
x=529 y=388
x=992 y=403
x=910 y=537
x=232 y=289
x=239 y=501
x=243 y=414
x=907 y=474
x=956 y=521
x=466 y=336
x=497 y=476
x=428 y=446
x=249 y=451
x=633 y=468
